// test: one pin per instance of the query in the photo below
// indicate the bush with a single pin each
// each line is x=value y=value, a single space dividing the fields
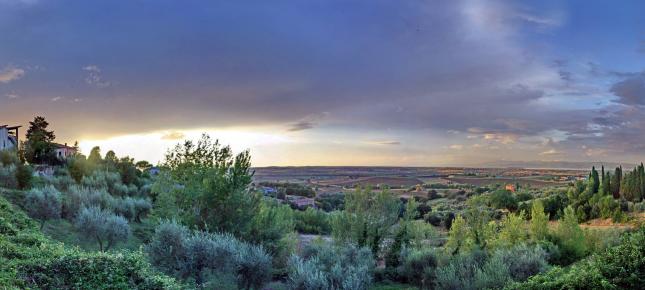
x=323 y=266
x=43 y=204
x=8 y=157
x=208 y=259
x=62 y=183
x=107 y=228
x=503 y=199
x=124 y=207
x=77 y=198
x=570 y=238
x=459 y=273
x=312 y=221
x=24 y=175
x=619 y=267
x=142 y=208
x=28 y=260
x=419 y=268
x=253 y=267
x=523 y=261
x=8 y=177
x=331 y=202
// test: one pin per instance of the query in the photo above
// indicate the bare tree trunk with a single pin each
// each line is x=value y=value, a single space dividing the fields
x=100 y=243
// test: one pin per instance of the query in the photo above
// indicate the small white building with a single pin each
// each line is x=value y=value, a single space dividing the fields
x=63 y=151
x=8 y=137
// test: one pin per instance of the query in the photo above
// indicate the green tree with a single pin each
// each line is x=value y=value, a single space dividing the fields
x=143 y=165
x=95 y=156
x=111 y=160
x=106 y=228
x=43 y=204
x=459 y=237
x=616 y=181
x=24 y=175
x=367 y=217
x=38 y=146
x=571 y=237
x=512 y=230
x=128 y=172
x=402 y=237
x=211 y=186
x=539 y=221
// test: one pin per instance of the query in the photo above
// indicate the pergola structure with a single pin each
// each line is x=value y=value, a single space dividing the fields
x=13 y=130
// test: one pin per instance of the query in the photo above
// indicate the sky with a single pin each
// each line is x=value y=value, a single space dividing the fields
x=334 y=82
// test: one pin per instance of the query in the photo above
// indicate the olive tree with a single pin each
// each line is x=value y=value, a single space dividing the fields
x=324 y=266
x=105 y=227
x=208 y=259
x=43 y=204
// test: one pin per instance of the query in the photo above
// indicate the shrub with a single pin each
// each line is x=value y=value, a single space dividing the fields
x=208 y=259
x=107 y=228
x=323 y=266
x=62 y=183
x=459 y=273
x=503 y=199
x=95 y=181
x=78 y=197
x=167 y=246
x=8 y=177
x=331 y=202
x=523 y=261
x=253 y=267
x=8 y=157
x=312 y=221
x=570 y=238
x=43 y=204
x=28 y=260
x=434 y=218
x=619 y=267
x=142 y=208
x=419 y=268
x=24 y=174
x=123 y=207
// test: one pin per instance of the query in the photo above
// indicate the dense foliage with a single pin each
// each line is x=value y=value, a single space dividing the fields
x=620 y=267
x=29 y=260
x=324 y=266
x=207 y=259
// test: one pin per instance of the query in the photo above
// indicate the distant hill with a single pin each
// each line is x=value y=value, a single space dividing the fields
x=555 y=164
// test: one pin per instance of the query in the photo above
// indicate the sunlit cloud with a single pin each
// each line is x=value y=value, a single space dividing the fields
x=153 y=146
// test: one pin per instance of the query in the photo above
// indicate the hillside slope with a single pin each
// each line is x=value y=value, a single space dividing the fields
x=29 y=260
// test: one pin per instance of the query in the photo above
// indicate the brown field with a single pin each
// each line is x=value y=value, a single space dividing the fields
x=373 y=181
x=522 y=181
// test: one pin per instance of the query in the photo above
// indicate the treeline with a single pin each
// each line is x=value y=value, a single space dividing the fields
x=606 y=195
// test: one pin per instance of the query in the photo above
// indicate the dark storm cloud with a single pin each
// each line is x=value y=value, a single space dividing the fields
x=631 y=91
x=229 y=63
x=299 y=126
x=410 y=65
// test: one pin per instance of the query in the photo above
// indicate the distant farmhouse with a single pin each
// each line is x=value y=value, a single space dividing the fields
x=8 y=137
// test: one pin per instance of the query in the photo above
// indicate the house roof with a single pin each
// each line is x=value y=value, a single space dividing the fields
x=10 y=128
x=59 y=146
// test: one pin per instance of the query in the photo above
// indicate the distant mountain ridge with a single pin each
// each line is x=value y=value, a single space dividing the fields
x=556 y=164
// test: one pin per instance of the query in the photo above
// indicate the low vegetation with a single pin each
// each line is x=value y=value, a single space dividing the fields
x=199 y=224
